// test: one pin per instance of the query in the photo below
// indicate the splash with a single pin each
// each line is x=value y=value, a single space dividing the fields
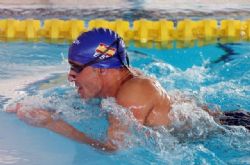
x=62 y=101
x=177 y=143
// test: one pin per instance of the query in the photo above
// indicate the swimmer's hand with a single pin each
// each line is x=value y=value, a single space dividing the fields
x=36 y=117
x=13 y=108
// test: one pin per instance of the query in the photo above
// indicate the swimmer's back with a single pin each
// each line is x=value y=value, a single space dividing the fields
x=146 y=99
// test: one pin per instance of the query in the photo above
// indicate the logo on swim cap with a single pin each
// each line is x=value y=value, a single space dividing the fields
x=105 y=50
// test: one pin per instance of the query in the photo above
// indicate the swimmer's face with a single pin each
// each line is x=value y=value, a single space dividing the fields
x=87 y=81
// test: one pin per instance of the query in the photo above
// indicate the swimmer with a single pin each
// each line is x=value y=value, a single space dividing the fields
x=100 y=69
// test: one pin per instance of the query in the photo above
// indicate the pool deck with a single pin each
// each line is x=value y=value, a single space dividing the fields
x=119 y=3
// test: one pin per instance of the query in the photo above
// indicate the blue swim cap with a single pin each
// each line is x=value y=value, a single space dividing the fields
x=102 y=44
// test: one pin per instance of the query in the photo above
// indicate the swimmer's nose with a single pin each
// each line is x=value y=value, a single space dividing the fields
x=71 y=76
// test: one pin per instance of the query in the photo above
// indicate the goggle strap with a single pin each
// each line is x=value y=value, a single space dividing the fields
x=127 y=59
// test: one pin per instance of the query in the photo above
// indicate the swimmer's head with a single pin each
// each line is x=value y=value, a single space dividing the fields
x=99 y=48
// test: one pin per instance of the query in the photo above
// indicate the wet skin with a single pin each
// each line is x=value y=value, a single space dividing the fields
x=143 y=96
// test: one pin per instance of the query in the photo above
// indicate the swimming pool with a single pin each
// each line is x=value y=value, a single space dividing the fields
x=217 y=74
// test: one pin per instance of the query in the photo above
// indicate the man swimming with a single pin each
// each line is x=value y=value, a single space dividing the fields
x=100 y=69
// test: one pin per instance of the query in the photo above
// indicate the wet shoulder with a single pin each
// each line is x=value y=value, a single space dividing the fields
x=139 y=84
x=139 y=89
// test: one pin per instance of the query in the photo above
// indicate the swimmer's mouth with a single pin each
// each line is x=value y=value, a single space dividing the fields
x=79 y=90
x=77 y=87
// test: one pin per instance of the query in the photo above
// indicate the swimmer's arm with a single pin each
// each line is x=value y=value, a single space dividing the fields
x=116 y=132
x=65 y=129
x=43 y=118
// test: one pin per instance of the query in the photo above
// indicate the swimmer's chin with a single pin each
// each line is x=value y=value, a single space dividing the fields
x=85 y=97
x=82 y=95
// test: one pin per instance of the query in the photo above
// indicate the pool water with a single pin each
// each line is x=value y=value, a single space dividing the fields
x=218 y=75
